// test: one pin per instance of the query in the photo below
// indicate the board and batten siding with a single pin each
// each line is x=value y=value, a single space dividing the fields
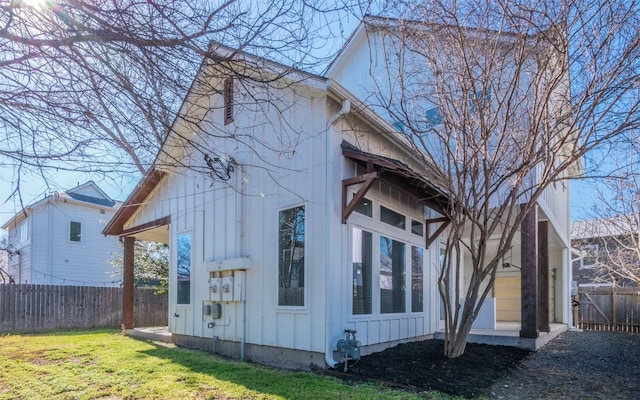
x=376 y=328
x=87 y=262
x=239 y=218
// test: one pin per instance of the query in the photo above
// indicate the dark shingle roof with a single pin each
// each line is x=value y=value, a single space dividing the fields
x=91 y=199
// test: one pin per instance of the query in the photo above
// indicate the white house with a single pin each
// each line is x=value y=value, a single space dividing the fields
x=58 y=240
x=293 y=212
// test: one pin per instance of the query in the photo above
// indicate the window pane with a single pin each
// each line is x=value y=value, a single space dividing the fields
x=365 y=207
x=291 y=257
x=362 y=271
x=417 y=293
x=417 y=228
x=183 y=289
x=392 y=284
x=75 y=231
x=392 y=218
x=24 y=231
x=434 y=117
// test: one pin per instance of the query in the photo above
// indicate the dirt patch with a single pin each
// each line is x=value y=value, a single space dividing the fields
x=421 y=366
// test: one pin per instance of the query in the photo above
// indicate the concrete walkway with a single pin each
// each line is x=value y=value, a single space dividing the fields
x=159 y=333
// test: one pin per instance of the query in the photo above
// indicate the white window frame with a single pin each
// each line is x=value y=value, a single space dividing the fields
x=378 y=228
x=305 y=306
x=69 y=232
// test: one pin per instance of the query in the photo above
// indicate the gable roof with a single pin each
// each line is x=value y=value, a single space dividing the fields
x=86 y=194
x=218 y=54
x=89 y=192
x=605 y=227
x=137 y=197
x=334 y=90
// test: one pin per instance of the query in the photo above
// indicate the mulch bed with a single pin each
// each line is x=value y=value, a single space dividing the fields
x=421 y=366
x=576 y=365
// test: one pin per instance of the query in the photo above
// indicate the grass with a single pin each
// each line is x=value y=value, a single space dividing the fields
x=106 y=365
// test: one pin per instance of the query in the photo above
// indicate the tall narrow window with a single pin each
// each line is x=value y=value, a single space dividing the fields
x=291 y=238
x=362 y=271
x=75 y=231
x=392 y=276
x=228 y=101
x=417 y=277
x=183 y=289
x=24 y=231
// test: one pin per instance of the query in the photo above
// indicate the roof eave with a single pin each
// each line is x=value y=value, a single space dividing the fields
x=143 y=189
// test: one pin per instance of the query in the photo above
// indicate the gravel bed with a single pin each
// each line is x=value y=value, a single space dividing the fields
x=577 y=365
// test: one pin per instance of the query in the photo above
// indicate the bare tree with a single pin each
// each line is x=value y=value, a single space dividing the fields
x=612 y=237
x=502 y=99
x=6 y=252
x=95 y=86
x=151 y=265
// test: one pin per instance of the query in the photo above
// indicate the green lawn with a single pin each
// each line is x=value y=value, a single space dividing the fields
x=106 y=365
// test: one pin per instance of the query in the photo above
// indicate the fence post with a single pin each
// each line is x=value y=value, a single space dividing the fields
x=614 y=307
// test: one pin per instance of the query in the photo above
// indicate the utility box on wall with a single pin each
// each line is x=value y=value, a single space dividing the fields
x=215 y=289
x=216 y=311
x=227 y=288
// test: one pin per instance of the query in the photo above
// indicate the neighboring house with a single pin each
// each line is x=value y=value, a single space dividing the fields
x=4 y=267
x=610 y=253
x=58 y=240
x=294 y=212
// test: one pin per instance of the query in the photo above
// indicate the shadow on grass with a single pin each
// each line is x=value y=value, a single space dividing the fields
x=256 y=377
x=416 y=367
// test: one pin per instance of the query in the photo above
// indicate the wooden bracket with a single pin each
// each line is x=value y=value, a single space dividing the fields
x=367 y=180
x=432 y=238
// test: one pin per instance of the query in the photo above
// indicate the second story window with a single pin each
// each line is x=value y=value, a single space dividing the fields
x=75 y=231
x=24 y=231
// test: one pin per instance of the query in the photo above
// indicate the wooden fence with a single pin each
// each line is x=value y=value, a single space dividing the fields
x=32 y=308
x=608 y=309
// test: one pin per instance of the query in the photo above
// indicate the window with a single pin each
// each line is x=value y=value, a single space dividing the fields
x=392 y=218
x=24 y=231
x=434 y=117
x=75 y=231
x=591 y=258
x=417 y=228
x=480 y=99
x=417 y=294
x=183 y=290
x=362 y=271
x=291 y=238
x=399 y=126
x=365 y=207
x=228 y=101
x=392 y=275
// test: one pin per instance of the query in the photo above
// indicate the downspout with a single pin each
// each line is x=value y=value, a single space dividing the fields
x=346 y=109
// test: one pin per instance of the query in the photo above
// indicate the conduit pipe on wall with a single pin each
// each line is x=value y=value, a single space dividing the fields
x=346 y=109
x=240 y=220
